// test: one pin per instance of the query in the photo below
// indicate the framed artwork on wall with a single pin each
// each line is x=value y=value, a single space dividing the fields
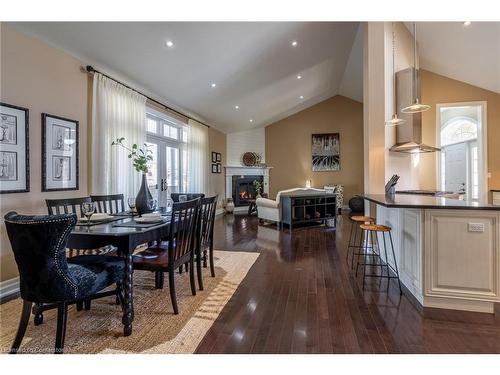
x=60 y=159
x=326 y=152
x=216 y=157
x=214 y=168
x=219 y=168
x=14 y=149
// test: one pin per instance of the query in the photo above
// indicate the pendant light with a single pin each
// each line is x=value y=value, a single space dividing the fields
x=395 y=120
x=416 y=107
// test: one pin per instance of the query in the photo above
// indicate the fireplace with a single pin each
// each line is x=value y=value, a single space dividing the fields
x=243 y=189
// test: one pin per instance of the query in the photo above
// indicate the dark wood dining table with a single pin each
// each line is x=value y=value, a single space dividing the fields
x=126 y=240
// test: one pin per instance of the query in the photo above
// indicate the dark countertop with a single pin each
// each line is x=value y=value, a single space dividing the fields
x=425 y=201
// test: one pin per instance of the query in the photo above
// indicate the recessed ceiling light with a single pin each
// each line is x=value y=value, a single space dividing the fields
x=301 y=97
x=299 y=77
x=213 y=85
x=294 y=43
x=467 y=23
x=169 y=43
x=251 y=120
x=236 y=107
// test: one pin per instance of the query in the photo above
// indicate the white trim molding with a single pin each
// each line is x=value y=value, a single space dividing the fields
x=9 y=287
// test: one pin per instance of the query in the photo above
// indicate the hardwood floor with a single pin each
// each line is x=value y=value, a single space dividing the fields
x=301 y=297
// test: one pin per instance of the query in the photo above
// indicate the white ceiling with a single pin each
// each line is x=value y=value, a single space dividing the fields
x=470 y=54
x=253 y=64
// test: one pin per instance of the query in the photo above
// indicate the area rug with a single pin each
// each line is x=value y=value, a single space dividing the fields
x=155 y=329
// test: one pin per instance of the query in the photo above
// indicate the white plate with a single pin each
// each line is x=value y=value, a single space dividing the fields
x=152 y=215
x=98 y=217
x=148 y=219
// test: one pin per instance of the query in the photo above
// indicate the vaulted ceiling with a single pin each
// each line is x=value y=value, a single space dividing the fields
x=469 y=54
x=254 y=66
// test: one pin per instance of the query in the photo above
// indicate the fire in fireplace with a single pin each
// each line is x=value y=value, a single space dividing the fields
x=243 y=189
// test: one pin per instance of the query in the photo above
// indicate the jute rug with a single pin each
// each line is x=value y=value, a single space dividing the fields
x=155 y=329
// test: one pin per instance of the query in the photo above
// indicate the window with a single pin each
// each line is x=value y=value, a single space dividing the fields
x=458 y=130
x=167 y=138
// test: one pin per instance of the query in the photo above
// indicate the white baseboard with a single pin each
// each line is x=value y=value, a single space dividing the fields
x=9 y=287
x=219 y=211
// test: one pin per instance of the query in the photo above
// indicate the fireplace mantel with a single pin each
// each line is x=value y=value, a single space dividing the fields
x=241 y=170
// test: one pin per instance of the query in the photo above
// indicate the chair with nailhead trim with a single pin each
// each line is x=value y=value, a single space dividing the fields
x=39 y=244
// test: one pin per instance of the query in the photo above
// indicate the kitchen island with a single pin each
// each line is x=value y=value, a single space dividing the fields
x=447 y=250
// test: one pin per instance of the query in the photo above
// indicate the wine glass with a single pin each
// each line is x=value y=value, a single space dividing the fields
x=88 y=209
x=183 y=198
x=151 y=204
x=131 y=204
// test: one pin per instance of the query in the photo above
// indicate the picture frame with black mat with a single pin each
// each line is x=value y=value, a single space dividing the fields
x=214 y=168
x=14 y=149
x=60 y=153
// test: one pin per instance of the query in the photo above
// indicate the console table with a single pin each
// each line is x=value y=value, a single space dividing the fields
x=307 y=207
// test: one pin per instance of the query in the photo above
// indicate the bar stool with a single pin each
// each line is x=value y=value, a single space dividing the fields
x=354 y=242
x=372 y=231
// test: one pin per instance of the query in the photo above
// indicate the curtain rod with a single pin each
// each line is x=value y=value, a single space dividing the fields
x=91 y=70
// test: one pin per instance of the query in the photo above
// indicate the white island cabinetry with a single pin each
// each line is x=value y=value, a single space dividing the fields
x=448 y=256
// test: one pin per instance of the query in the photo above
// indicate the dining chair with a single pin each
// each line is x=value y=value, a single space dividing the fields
x=110 y=204
x=189 y=196
x=208 y=207
x=66 y=206
x=174 y=251
x=71 y=205
x=46 y=277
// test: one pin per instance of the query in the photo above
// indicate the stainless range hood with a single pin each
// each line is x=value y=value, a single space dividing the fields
x=409 y=134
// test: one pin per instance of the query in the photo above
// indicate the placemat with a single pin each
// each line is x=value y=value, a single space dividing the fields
x=135 y=224
x=84 y=223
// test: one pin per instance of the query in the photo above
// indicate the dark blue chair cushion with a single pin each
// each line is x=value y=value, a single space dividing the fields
x=96 y=272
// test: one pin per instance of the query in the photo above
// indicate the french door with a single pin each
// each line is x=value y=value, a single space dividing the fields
x=166 y=170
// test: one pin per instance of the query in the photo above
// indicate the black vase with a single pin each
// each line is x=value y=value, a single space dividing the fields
x=141 y=201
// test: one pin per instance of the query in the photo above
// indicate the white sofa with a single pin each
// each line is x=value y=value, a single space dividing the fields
x=270 y=210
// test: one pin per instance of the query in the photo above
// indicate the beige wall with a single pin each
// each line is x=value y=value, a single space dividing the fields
x=439 y=89
x=42 y=79
x=216 y=181
x=288 y=146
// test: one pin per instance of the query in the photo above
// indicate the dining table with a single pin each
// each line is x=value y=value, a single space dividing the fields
x=124 y=233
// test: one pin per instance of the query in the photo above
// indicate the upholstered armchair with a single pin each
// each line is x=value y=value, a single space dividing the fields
x=270 y=210
x=39 y=246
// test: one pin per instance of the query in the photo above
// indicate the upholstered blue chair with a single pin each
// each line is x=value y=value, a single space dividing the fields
x=39 y=246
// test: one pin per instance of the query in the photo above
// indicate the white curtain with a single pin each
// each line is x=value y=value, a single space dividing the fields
x=197 y=158
x=116 y=112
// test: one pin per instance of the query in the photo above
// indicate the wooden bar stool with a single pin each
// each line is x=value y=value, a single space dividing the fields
x=372 y=231
x=354 y=241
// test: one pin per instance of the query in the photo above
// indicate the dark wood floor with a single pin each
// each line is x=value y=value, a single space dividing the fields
x=300 y=297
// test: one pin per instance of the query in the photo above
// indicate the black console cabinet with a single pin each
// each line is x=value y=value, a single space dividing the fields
x=297 y=208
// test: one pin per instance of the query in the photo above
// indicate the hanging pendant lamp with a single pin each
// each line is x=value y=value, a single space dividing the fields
x=416 y=107
x=395 y=120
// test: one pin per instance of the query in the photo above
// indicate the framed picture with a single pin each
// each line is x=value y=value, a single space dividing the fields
x=326 y=152
x=214 y=168
x=219 y=157
x=214 y=157
x=60 y=162
x=219 y=168
x=14 y=149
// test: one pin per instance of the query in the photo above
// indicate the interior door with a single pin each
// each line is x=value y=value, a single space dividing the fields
x=455 y=167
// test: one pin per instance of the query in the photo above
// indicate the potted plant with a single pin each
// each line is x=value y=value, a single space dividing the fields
x=257 y=185
x=140 y=158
